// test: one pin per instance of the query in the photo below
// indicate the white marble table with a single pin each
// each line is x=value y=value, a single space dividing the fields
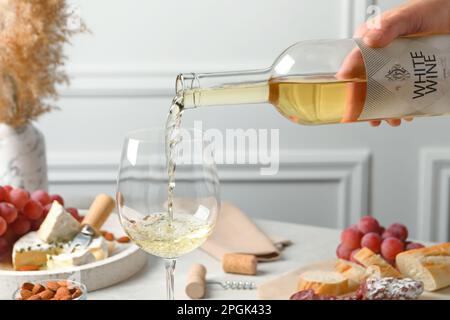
x=310 y=244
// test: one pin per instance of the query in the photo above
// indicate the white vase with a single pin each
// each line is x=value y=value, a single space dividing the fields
x=22 y=157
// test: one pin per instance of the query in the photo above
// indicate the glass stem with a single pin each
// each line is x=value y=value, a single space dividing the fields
x=170 y=268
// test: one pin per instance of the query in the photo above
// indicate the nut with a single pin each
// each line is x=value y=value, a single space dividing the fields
x=34 y=297
x=77 y=293
x=63 y=283
x=62 y=292
x=109 y=236
x=47 y=294
x=37 y=288
x=123 y=239
x=27 y=286
x=25 y=294
x=53 y=285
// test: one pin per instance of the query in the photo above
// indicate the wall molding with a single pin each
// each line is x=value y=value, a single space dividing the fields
x=349 y=169
x=434 y=191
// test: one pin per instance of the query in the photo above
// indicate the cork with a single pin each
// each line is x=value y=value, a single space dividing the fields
x=196 y=283
x=239 y=263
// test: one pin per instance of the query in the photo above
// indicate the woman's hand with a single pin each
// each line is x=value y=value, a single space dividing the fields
x=416 y=17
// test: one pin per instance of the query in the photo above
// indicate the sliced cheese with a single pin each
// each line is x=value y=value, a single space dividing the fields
x=59 y=225
x=32 y=251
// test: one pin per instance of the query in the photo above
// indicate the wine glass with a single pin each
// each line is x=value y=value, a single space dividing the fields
x=142 y=194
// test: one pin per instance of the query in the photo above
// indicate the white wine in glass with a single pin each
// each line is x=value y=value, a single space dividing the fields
x=143 y=194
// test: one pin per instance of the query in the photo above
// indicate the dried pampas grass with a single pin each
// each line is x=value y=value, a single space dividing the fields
x=32 y=36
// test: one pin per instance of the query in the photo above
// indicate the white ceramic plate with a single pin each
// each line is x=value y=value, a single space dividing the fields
x=126 y=260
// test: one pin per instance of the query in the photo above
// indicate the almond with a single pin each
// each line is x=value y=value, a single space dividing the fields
x=27 y=286
x=47 y=294
x=62 y=292
x=25 y=294
x=34 y=297
x=66 y=297
x=77 y=293
x=53 y=285
x=63 y=283
x=37 y=288
x=123 y=239
x=109 y=236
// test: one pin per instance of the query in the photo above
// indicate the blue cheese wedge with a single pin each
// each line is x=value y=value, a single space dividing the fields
x=32 y=251
x=59 y=225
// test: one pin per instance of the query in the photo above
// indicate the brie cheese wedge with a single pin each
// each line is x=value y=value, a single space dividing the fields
x=59 y=225
x=32 y=251
x=99 y=248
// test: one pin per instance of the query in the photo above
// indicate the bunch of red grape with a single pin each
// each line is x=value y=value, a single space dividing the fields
x=370 y=234
x=21 y=212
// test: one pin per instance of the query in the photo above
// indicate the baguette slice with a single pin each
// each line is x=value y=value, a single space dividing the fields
x=355 y=274
x=431 y=265
x=324 y=282
x=378 y=266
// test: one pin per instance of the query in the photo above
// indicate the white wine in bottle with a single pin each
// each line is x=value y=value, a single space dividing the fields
x=337 y=81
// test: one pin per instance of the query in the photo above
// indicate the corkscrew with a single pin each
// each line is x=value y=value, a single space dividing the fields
x=234 y=285
x=197 y=283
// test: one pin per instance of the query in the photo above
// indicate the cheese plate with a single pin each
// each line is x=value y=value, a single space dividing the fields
x=125 y=260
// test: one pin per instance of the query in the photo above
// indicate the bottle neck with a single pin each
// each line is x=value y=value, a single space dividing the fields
x=223 y=88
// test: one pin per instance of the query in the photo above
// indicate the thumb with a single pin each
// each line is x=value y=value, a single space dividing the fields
x=383 y=29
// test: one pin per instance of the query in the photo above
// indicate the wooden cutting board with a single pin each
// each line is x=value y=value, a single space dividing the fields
x=285 y=285
x=126 y=260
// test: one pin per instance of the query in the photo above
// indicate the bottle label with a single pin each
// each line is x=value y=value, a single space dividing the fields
x=410 y=77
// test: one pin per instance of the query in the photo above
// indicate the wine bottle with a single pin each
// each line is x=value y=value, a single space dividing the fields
x=337 y=81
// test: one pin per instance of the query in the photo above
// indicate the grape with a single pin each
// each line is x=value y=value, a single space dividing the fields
x=35 y=224
x=4 y=246
x=41 y=196
x=58 y=198
x=33 y=210
x=390 y=247
x=73 y=212
x=21 y=226
x=354 y=226
x=372 y=241
x=47 y=209
x=342 y=252
x=3 y=194
x=3 y=226
x=399 y=231
x=368 y=224
x=351 y=238
x=381 y=230
x=19 y=198
x=414 y=245
x=352 y=256
x=387 y=234
x=7 y=188
x=8 y=212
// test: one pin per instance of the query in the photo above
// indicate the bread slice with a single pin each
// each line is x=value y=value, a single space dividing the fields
x=431 y=265
x=324 y=282
x=355 y=274
x=378 y=266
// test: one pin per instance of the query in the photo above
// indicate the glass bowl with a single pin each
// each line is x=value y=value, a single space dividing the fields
x=71 y=283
